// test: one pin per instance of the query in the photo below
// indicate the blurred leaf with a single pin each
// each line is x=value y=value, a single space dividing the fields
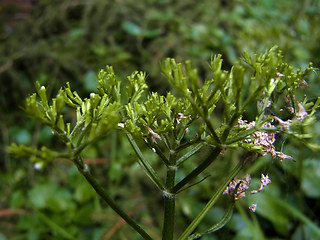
x=59 y=230
x=50 y=196
x=84 y=215
x=253 y=229
x=18 y=199
x=152 y=33
x=90 y=83
x=21 y=135
x=304 y=232
x=2 y=237
x=131 y=28
x=31 y=226
x=45 y=134
x=84 y=192
x=311 y=178
x=271 y=210
x=295 y=212
x=76 y=33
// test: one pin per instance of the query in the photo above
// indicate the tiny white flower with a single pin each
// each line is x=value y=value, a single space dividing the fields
x=301 y=114
x=38 y=166
x=279 y=74
x=121 y=125
x=253 y=207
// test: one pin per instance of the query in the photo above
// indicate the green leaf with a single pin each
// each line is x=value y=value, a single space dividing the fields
x=295 y=212
x=59 y=230
x=131 y=28
x=210 y=203
x=223 y=221
x=21 y=135
x=84 y=192
x=268 y=207
x=18 y=199
x=311 y=178
x=50 y=196
x=90 y=81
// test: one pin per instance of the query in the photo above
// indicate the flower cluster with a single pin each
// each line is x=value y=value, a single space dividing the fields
x=265 y=139
x=237 y=188
x=265 y=180
x=240 y=185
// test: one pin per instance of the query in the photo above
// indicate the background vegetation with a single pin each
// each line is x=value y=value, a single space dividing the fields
x=58 y=41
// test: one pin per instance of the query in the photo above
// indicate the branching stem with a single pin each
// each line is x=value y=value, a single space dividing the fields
x=84 y=170
x=214 y=154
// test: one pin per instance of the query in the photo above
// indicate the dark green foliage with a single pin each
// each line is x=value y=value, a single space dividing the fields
x=54 y=42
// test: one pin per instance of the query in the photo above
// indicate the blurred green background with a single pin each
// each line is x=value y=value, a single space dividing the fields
x=56 y=41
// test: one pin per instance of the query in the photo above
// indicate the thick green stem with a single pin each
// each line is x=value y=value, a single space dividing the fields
x=169 y=206
x=214 y=154
x=84 y=169
x=169 y=199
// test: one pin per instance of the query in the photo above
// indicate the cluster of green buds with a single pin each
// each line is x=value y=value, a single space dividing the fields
x=196 y=114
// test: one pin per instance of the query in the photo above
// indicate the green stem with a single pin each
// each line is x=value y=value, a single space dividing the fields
x=214 y=154
x=211 y=203
x=169 y=206
x=145 y=164
x=222 y=222
x=204 y=117
x=231 y=124
x=84 y=169
x=160 y=154
x=189 y=154
x=206 y=120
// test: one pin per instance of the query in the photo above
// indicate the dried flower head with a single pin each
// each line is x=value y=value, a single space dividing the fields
x=182 y=116
x=240 y=185
x=264 y=180
x=283 y=156
x=304 y=83
x=253 y=207
x=290 y=109
x=279 y=74
x=155 y=136
x=285 y=125
x=301 y=114
x=265 y=139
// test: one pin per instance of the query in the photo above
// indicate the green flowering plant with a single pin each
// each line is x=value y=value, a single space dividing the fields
x=197 y=114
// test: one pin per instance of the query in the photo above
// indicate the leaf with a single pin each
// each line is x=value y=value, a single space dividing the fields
x=84 y=192
x=90 y=81
x=131 y=28
x=268 y=207
x=50 y=196
x=295 y=212
x=223 y=221
x=311 y=178
x=55 y=227
x=21 y=136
